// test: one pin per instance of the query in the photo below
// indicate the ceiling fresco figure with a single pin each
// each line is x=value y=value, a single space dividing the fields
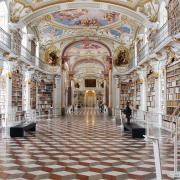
x=85 y=17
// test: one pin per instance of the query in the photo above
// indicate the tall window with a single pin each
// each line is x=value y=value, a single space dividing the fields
x=3 y=15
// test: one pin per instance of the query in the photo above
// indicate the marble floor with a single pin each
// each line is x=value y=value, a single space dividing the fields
x=84 y=145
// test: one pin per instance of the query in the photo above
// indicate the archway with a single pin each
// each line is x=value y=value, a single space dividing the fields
x=90 y=98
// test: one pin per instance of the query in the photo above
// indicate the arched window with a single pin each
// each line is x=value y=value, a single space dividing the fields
x=163 y=15
x=3 y=15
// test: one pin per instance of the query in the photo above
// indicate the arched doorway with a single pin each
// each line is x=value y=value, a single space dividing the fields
x=90 y=98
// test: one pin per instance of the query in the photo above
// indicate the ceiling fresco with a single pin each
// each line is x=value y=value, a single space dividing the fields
x=85 y=17
x=20 y=9
x=49 y=33
x=86 y=47
x=88 y=69
x=114 y=22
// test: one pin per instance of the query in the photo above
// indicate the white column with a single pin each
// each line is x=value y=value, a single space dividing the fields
x=146 y=40
x=28 y=75
x=8 y=66
x=63 y=92
x=117 y=93
x=143 y=96
x=104 y=97
x=158 y=91
x=57 y=95
x=72 y=92
x=135 y=53
x=143 y=89
x=110 y=88
x=37 y=54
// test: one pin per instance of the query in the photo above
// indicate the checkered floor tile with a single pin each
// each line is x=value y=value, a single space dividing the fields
x=85 y=145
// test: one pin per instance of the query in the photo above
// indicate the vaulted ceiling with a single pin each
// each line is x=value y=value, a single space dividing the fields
x=60 y=22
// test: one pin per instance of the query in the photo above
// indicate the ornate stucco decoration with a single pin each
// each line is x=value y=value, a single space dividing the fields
x=51 y=56
x=122 y=56
x=18 y=11
x=171 y=55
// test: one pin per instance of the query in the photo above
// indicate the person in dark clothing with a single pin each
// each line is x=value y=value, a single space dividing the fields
x=128 y=113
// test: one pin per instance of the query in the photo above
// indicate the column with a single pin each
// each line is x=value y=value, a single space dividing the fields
x=104 y=97
x=57 y=95
x=8 y=67
x=110 y=91
x=135 y=53
x=37 y=54
x=117 y=93
x=69 y=103
x=72 y=92
x=142 y=76
x=63 y=97
x=160 y=65
x=28 y=75
x=146 y=41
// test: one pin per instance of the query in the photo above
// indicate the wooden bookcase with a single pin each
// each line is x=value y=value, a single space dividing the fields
x=150 y=94
x=173 y=87
x=45 y=97
x=124 y=97
x=138 y=94
x=33 y=95
x=131 y=93
x=17 y=92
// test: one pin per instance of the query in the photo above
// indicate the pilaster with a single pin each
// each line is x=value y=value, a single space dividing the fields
x=28 y=77
x=142 y=76
x=57 y=95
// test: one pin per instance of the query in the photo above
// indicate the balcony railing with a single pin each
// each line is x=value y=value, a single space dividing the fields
x=166 y=31
x=161 y=36
x=21 y=51
x=25 y=53
x=143 y=53
x=5 y=39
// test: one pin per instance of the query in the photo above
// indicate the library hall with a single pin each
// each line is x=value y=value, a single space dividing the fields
x=89 y=89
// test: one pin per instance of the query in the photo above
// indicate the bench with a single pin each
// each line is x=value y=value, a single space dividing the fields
x=20 y=129
x=136 y=130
